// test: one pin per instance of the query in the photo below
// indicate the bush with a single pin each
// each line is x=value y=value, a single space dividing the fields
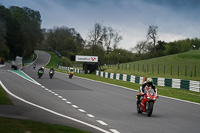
x=66 y=62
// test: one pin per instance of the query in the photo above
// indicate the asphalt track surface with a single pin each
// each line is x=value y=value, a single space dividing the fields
x=113 y=107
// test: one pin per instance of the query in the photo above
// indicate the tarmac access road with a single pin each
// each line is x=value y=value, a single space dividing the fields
x=92 y=106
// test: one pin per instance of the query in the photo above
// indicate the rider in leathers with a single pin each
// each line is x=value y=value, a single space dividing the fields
x=148 y=83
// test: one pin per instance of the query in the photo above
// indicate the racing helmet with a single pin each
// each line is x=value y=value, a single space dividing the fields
x=149 y=81
x=42 y=67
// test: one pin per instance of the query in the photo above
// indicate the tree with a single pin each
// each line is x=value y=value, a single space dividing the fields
x=152 y=36
x=140 y=48
x=96 y=36
x=64 y=40
x=28 y=24
x=117 y=39
x=3 y=47
x=111 y=38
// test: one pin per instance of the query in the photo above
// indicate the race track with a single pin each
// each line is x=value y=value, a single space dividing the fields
x=110 y=108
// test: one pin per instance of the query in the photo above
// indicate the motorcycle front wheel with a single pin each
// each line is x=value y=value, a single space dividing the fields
x=138 y=107
x=149 y=108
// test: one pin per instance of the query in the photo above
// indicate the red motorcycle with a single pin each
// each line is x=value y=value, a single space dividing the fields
x=147 y=102
x=71 y=74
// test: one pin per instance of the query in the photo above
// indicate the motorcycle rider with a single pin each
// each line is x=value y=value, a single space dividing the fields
x=34 y=65
x=51 y=69
x=71 y=70
x=42 y=69
x=149 y=83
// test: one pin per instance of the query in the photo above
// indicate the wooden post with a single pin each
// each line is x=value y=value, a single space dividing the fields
x=138 y=67
x=143 y=67
x=178 y=70
x=152 y=68
x=186 y=71
x=164 y=69
x=171 y=69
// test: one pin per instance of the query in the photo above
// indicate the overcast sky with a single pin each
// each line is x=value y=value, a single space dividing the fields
x=176 y=19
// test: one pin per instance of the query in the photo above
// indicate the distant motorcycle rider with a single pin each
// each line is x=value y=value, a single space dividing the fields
x=34 y=66
x=41 y=69
x=51 y=69
x=148 y=83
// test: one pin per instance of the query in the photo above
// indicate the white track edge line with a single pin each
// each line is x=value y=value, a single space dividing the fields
x=51 y=111
x=102 y=123
x=114 y=131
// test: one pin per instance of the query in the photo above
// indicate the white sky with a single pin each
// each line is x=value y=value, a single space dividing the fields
x=176 y=19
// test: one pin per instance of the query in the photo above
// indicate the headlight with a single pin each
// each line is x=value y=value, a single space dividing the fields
x=154 y=98
x=148 y=98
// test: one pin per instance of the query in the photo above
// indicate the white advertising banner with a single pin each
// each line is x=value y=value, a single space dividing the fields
x=86 y=58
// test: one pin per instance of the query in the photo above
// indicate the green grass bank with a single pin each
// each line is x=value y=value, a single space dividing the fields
x=177 y=66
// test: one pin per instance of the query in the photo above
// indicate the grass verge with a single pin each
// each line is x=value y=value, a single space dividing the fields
x=4 y=99
x=24 y=126
x=55 y=60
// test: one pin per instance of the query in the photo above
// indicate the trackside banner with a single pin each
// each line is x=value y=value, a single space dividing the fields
x=86 y=58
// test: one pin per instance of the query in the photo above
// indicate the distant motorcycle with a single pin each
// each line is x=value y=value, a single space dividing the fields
x=51 y=73
x=40 y=73
x=147 y=103
x=71 y=74
x=34 y=66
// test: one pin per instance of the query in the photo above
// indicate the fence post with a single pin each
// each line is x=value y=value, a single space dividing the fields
x=158 y=68
x=143 y=67
x=195 y=71
x=138 y=67
x=152 y=68
x=186 y=71
x=171 y=69
x=178 y=70
x=164 y=69
x=129 y=67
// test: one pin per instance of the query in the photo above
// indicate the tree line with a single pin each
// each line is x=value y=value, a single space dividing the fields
x=102 y=41
x=20 y=31
x=21 y=34
x=151 y=47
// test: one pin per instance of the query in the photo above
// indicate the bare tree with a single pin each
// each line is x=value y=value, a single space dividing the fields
x=141 y=47
x=104 y=37
x=117 y=39
x=96 y=36
x=111 y=38
x=108 y=38
x=152 y=36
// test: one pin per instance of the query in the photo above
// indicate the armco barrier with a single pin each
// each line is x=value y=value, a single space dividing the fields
x=174 y=83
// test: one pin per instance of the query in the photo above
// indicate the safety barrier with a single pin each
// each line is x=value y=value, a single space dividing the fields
x=174 y=83
x=68 y=68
